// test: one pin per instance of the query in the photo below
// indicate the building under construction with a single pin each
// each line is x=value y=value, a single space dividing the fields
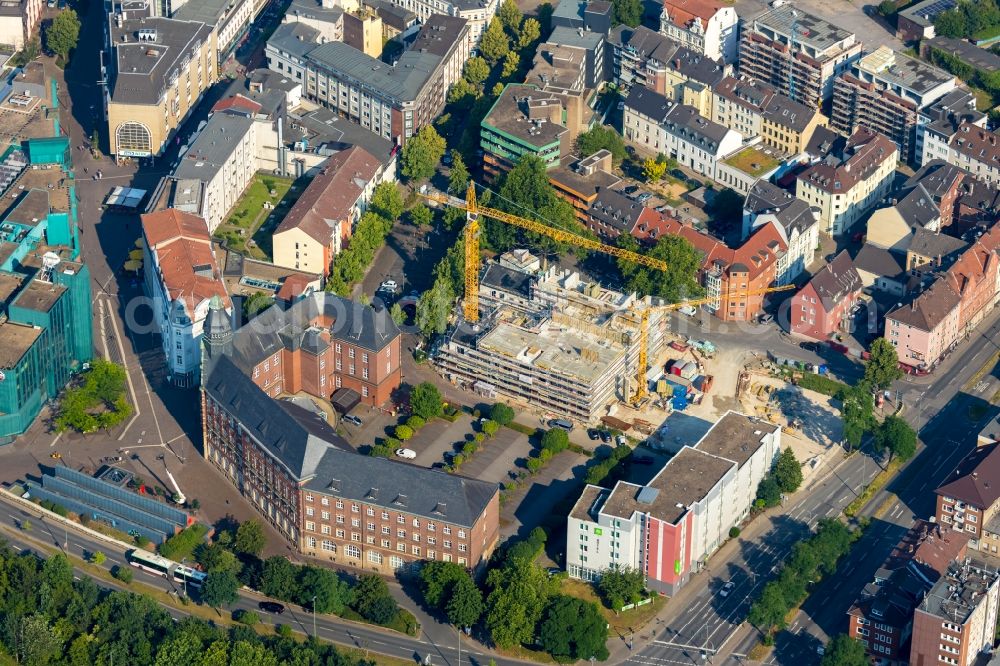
x=550 y=340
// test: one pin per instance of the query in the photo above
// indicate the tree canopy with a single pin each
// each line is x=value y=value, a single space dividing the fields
x=494 y=44
x=425 y=401
x=422 y=152
x=882 y=368
x=602 y=137
x=502 y=413
x=221 y=588
x=788 y=471
x=678 y=283
x=99 y=402
x=628 y=12
x=897 y=437
x=256 y=303
x=250 y=539
x=621 y=585
x=63 y=33
x=857 y=413
x=458 y=180
x=574 y=629
x=844 y=651
x=433 y=308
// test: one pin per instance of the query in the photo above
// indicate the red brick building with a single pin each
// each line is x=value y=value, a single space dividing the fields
x=823 y=306
x=329 y=501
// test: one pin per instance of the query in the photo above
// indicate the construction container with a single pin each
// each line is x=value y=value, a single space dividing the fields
x=675 y=368
x=679 y=346
x=689 y=370
x=703 y=383
x=661 y=386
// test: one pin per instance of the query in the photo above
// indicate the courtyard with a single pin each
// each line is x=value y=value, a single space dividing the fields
x=253 y=219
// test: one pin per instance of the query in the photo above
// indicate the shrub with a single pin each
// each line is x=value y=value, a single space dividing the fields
x=469 y=448
x=404 y=432
x=490 y=427
x=457 y=460
x=556 y=440
x=283 y=630
x=502 y=414
x=734 y=532
x=415 y=422
x=480 y=438
x=122 y=573
x=534 y=464
x=183 y=543
x=247 y=617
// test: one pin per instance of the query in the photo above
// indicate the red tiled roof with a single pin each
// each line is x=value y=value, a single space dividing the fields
x=683 y=12
x=237 y=103
x=872 y=149
x=332 y=193
x=183 y=251
x=293 y=286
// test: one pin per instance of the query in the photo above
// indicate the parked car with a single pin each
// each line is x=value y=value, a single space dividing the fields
x=766 y=319
x=561 y=423
x=271 y=607
x=353 y=420
x=644 y=197
x=688 y=310
x=631 y=189
x=406 y=454
x=605 y=436
x=593 y=433
x=621 y=440
x=809 y=346
x=389 y=285
x=726 y=589
x=643 y=460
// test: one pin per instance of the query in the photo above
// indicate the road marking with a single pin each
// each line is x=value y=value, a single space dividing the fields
x=128 y=375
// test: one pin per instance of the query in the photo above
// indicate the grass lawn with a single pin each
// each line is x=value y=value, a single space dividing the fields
x=984 y=101
x=621 y=623
x=753 y=161
x=249 y=220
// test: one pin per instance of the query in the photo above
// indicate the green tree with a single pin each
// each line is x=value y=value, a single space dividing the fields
x=465 y=606
x=247 y=617
x=857 y=413
x=951 y=23
x=573 y=629
x=476 y=70
x=602 y=138
x=628 y=12
x=182 y=648
x=278 y=578
x=250 y=539
x=421 y=215
x=490 y=427
x=510 y=17
x=844 y=651
x=462 y=94
x=768 y=491
x=494 y=43
x=678 y=283
x=403 y=432
x=502 y=413
x=897 y=437
x=882 y=368
x=422 y=152
x=653 y=170
x=519 y=592
x=437 y=580
x=98 y=558
x=425 y=401
x=105 y=381
x=386 y=201
x=256 y=303
x=397 y=314
x=555 y=440
x=887 y=8
x=36 y=642
x=458 y=181
x=531 y=31
x=331 y=593
x=510 y=64
x=30 y=51
x=122 y=573
x=220 y=589
x=621 y=585
x=769 y=610
x=62 y=34
x=216 y=557
x=373 y=601
x=727 y=205
x=433 y=308
x=788 y=472
x=416 y=423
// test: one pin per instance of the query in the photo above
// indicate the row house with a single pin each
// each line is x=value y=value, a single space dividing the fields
x=320 y=223
x=845 y=191
x=823 y=307
x=797 y=223
x=668 y=528
x=938 y=124
x=969 y=501
x=654 y=124
x=755 y=108
x=976 y=150
x=706 y=26
x=643 y=57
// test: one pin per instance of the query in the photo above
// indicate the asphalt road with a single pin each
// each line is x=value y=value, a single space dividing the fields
x=56 y=537
x=935 y=405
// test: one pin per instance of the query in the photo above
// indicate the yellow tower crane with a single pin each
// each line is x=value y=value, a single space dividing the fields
x=472 y=231
x=641 y=389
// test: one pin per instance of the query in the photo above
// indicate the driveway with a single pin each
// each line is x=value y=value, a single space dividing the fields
x=500 y=456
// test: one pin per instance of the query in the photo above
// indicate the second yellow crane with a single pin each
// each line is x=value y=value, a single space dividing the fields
x=641 y=389
x=470 y=307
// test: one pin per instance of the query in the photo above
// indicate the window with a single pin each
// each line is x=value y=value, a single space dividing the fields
x=133 y=136
x=447 y=544
x=431 y=541
x=370 y=511
x=325 y=515
x=416 y=522
x=329 y=546
x=431 y=527
x=461 y=547
x=416 y=536
x=355 y=537
x=340 y=504
x=401 y=534
x=309 y=511
x=386 y=543
x=415 y=550
x=350 y=353
x=309 y=497
x=355 y=522
x=325 y=529
x=396 y=562
x=340 y=520
x=446 y=530
x=325 y=501
x=355 y=508
x=310 y=526
x=386 y=529
x=312 y=542
x=461 y=534
x=352 y=551
x=340 y=534
x=401 y=547
x=400 y=519
x=371 y=527
x=374 y=557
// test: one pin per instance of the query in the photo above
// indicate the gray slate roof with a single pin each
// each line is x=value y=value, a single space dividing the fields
x=402 y=82
x=650 y=44
x=792 y=213
x=835 y=281
x=508 y=279
x=878 y=261
x=295 y=38
x=928 y=243
x=217 y=141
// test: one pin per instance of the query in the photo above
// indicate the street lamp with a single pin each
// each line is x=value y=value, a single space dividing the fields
x=314 y=617
x=458 y=633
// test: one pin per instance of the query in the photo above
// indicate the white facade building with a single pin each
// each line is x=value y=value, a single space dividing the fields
x=710 y=28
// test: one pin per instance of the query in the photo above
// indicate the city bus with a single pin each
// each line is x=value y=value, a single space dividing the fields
x=169 y=569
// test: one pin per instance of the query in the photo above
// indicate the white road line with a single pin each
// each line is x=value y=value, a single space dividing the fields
x=128 y=375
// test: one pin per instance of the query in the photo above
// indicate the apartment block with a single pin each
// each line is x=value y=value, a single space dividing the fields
x=19 y=22
x=321 y=221
x=231 y=20
x=654 y=124
x=883 y=92
x=328 y=501
x=669 y=527
x=939 y=123
x=976 y=150
x=797 y=223
x=181 y=276
x=708 y=27
x=754 y=108
x=845 y=192
x=390 y=101
x=823 y=307
x=798 y=53
x=956 y=622
x=926 y=202
x=523 y=121
x=580 y=181
x=643 y=57
x=476 y=13
x=594 y=47
x=157 y=70
x=968 y=501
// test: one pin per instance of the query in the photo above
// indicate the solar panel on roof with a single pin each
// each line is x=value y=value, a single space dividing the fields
x=647 y=495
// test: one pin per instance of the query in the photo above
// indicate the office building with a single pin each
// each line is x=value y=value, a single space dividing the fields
x=884 y=92
x=231 y=20
x=157 y=70
x=523 y=121
x=798 y=53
